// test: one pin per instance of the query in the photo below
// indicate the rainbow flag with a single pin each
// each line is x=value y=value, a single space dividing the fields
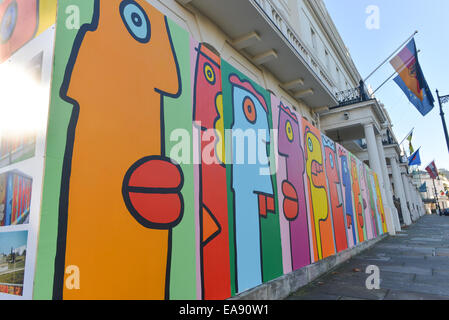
x=411 y=78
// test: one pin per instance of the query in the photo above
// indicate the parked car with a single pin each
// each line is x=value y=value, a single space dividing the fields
x=445 y=212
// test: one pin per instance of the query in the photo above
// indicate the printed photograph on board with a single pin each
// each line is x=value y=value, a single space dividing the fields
x=15 y=198
x=13 y=250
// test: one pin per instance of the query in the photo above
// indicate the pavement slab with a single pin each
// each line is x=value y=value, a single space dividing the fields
x=414 y=265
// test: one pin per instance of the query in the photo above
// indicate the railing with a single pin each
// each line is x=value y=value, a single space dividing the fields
x=352 y=96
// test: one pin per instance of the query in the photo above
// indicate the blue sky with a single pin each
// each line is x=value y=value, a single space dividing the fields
x=369 y=47
x=14 y=240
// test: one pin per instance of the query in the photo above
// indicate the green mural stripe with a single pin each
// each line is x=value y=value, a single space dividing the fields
x=178 y=125
x=59 y=116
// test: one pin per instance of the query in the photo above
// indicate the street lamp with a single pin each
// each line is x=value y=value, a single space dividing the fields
x=442 y=100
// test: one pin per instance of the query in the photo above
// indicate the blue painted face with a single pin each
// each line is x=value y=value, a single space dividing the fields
x=251 y=137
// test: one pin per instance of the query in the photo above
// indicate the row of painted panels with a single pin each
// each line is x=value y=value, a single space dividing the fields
x=138 y=214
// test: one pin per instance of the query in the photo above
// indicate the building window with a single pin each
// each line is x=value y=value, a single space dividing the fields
x=327 y=59
x=337 y=76
x=313 y=34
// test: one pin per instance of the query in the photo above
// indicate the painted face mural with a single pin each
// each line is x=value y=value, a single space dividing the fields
x=372 y=204
x=347 y=186
x=208 y=116
x=138 y=225
x=319 y=206
x=365 y=201
x=292 y=189
x=335 y=193
x=379 y=204
x=119 y=190
x=254 y=201
x=357 y=200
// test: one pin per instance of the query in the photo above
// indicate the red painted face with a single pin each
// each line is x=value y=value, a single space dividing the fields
x=207 y=88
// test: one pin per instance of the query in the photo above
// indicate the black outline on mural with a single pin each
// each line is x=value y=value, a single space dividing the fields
x=59 y=271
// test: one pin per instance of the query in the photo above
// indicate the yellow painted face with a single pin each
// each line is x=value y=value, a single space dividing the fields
x=313 y=147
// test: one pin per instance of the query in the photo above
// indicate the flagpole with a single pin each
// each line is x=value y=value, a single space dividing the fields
x=388 y=59
x=396 y=72
x=407 y=136
x=442 y=100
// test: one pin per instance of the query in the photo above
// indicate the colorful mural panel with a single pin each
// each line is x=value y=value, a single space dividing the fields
x=292 y=190
x=319 y=209
x=345 y=171
x=257 y=249
x=357 y=196
x=335 y=193
x=137 y=191
x=173 y=175
x=213 y=209
x=379 y=204
x=365 y=200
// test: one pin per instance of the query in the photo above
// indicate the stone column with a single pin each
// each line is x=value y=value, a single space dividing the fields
x=408 y=194
x=415 y=198
x=374 y=161
x=399 y=188
x=420 y=203
x=423 y=206
x=387 y=183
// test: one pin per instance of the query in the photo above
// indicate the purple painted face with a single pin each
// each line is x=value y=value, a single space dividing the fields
x=290 y=148
x=289 y=136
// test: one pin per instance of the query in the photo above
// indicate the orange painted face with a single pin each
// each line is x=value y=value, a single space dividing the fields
x=122 y=65
x=136 y=63
x=123 y=68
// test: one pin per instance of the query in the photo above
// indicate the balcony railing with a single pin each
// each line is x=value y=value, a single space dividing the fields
x=352 y=96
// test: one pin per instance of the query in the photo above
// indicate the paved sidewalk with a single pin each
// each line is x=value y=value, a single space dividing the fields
x=414 y=265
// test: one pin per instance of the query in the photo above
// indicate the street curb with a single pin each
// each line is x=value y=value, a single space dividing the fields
x=283 y=287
